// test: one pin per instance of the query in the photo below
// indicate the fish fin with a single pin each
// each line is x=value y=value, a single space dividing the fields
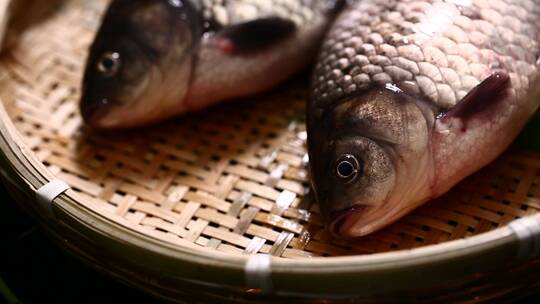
x=475 y=131
x=254 y=36
x=483 y=97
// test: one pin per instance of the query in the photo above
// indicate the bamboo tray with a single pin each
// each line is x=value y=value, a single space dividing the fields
x=178 y=209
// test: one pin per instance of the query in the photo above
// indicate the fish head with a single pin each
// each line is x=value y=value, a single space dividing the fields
x=139 y=45
x=369 y=159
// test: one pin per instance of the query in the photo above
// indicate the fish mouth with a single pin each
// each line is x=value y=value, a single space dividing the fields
x=96 y=114
x=360 y=220
x=342 y=222
x=91 y=113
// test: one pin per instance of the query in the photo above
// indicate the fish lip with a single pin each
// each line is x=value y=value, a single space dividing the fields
x=89 y=114
x=342 y=220
x=93 y=113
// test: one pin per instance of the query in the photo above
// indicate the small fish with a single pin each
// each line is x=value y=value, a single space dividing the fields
x=410 y=97
x=154 y=59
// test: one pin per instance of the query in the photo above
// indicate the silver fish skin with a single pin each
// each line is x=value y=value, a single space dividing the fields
x=409 y=97
x=154 y=59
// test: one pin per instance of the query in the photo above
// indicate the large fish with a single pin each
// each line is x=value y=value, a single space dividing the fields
x=153 y=59
x=411 y=96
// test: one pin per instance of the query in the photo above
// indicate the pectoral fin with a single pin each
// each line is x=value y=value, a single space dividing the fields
x=480 y=99
x=254 y=36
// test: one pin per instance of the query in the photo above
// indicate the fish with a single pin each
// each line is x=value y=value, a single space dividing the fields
x=155 y=59
x=410 y=97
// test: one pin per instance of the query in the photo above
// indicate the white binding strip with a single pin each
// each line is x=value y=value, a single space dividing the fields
x=258 y=271
x=46 y=194
x=527 y=230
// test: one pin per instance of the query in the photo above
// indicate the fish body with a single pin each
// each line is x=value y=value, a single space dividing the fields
x=409 y=97
x=154 y=59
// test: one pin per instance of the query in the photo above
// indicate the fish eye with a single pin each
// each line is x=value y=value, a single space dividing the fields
x=347 y=167
x=109 y=64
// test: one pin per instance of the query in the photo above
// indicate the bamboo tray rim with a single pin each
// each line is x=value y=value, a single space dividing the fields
x=496 y=239
x=162 y=265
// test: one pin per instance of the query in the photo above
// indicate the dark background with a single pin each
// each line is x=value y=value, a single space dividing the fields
x=34 y=270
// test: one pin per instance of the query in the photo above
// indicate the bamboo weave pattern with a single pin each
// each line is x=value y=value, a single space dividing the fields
x=233 y=178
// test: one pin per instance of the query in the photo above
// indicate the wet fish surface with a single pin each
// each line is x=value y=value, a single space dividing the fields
x=409 y=97
x=154 y=59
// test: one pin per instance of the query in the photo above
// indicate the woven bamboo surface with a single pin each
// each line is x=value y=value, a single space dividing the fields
x=231 y=179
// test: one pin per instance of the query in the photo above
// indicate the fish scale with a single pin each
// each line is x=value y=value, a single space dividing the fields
x=222 y=13
x=438 y=49
x=410 y=97
x=153 y=59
